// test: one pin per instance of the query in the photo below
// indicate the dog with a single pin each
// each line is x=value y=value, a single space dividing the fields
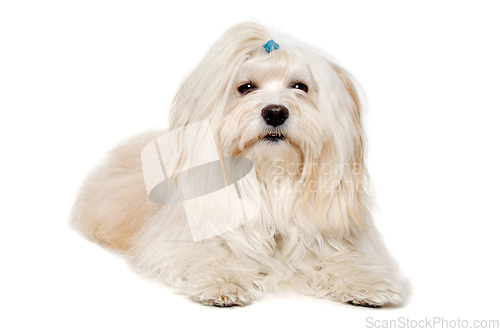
x=296 y=116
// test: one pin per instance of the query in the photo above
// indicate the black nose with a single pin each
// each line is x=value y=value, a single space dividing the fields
x=275 y=115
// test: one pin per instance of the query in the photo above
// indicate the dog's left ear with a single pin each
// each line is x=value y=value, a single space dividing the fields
x=355 y=106
x=354 y=183
x=351 y=88
x=342 y=207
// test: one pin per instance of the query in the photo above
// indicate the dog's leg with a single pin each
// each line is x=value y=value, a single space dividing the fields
x=224 y=282
x=360 y=273
x=216 y=272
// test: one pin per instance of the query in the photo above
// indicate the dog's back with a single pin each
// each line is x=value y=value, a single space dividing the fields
x=112 y=203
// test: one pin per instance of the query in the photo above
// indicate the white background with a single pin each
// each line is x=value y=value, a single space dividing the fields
x=76 y=77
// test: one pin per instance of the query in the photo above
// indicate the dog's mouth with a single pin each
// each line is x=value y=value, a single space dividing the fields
x=274 y=137
x=270 y=137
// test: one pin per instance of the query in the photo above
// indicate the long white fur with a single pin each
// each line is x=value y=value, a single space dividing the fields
x=314 y=233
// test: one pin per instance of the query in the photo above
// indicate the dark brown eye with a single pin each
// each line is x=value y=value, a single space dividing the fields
x=246 y=88
x=300 y=86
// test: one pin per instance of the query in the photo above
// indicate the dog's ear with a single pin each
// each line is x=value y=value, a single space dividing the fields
x=348 y=81
x=355 y=108
x=340 y=199
x=204 y=93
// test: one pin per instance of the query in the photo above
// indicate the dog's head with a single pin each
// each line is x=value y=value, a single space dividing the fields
x=283 y=107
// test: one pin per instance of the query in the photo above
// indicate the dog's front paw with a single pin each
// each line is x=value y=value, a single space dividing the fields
x=225 y=295
x=364 y=303
x=375 y=299
x=375 y=296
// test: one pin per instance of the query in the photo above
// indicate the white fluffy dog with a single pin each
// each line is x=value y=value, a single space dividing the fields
x=296 y=115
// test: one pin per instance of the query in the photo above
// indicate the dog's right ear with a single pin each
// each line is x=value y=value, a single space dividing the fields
x=205 y=92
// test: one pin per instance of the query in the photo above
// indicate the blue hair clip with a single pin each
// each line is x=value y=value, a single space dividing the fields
x=270 y=46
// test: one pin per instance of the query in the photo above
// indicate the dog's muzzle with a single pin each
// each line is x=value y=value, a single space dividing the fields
x=275 y=116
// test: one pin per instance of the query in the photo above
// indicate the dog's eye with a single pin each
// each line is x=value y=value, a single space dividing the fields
x=246 y=88
x=300 y=86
